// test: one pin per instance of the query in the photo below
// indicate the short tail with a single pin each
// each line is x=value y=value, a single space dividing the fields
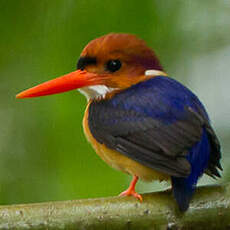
x=182 y=192
x=198 y=157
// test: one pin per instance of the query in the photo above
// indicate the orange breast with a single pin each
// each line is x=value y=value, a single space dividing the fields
x=120 y=161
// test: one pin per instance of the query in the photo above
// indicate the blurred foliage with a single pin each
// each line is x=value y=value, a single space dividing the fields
x=43 y=152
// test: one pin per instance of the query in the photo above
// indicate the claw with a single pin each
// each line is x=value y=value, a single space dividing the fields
x=131 y=193
x=131 y=190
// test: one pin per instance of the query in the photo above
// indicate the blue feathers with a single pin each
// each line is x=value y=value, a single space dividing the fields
x=162 y=98
x=161 y=124
x=165 y=99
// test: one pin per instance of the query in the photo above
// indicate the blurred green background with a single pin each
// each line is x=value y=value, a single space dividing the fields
x=43 y=152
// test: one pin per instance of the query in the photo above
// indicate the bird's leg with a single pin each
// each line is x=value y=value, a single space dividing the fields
x=131 y=190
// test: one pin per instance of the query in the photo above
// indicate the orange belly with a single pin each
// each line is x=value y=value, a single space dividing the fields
x=120 y=161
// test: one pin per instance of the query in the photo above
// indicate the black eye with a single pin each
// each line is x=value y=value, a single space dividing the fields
x=113 y=65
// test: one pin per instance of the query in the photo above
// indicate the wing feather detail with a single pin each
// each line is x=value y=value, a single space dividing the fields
x=155 y=123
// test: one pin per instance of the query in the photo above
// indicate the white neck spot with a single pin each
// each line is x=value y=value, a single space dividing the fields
x=96 y=91
x=154 y=72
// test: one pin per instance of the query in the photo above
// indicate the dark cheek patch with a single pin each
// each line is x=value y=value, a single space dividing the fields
x=85 y=61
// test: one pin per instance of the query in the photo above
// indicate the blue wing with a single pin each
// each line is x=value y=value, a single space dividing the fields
x=163 y=125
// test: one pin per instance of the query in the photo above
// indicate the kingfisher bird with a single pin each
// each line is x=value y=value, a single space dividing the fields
x=138 y=119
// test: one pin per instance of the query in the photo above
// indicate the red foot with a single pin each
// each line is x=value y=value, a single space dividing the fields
x=131 y=190
x=132 y=193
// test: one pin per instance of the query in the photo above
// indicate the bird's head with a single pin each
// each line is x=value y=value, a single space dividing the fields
x=107 y=64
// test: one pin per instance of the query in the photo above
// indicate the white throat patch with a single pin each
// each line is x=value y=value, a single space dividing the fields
x=96 y=91
x=99 y=91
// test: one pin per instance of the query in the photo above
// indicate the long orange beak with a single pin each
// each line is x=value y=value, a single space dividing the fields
x=74 y=80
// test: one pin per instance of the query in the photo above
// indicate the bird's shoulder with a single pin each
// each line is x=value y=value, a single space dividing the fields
x=161 y=98
x=155 y=122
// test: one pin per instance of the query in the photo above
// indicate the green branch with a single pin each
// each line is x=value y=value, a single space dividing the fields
x=210 y=209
